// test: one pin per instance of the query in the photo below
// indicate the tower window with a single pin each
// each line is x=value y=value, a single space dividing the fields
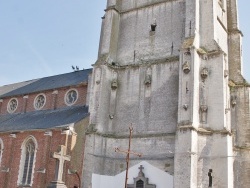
x=153 y=26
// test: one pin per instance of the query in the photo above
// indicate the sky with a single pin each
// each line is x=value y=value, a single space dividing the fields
x=46 y=37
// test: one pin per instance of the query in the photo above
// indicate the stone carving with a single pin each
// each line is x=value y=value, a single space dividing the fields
x=92 y=128
x=114 y=84
x=187 y=52
x=233 y=100
x=112 y=101
x=186 y=67
x=148 y=77
x=204 y=73
x=185 y=106
x=147 y=80
x=141 y=181
x=98 y=76
x=61 y=158
x=203 y=110
x=187 y=89
x=226 y=73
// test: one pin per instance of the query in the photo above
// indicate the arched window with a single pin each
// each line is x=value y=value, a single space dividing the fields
x=27 y=163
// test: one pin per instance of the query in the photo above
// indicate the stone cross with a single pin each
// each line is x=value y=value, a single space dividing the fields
x=141 y=174
x=141 y=181
x=61 y=157
x=141 y=168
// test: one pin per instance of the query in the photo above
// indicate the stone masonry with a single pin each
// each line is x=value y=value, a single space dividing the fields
x=172 y=68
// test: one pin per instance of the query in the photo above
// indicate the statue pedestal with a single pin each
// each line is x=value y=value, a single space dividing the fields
x=55 y=184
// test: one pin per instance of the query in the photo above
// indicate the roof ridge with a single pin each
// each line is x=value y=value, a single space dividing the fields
x=46 y=77
x=45 y=83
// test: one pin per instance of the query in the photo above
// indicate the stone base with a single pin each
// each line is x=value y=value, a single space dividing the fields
x=57 y=185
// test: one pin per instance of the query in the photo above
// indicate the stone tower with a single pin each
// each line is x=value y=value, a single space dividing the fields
x=172 y=68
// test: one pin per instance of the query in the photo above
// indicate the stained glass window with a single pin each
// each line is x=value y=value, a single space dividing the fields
x=29 y=154
x=12 y=105
x=71 y=97
x=39 y=102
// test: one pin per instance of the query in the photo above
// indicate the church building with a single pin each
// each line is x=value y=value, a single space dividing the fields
x=42 y=131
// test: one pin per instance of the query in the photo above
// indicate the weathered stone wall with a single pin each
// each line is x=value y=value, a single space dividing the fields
x=145 y=95
x=185 y=159
x=136 y=40
x=150 y=107
x=240 y=102
x=234 y=42
x=172 y=85
x=242 y=169
x=215 y=152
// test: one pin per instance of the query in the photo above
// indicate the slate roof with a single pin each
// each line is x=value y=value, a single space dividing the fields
x=43 y=119
x=47 y=83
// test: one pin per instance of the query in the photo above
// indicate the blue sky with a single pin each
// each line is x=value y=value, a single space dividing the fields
x=44 y=38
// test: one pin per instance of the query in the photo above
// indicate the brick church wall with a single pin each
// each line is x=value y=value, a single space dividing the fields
x=46 y=144
x=60 y=103
x=12 y=155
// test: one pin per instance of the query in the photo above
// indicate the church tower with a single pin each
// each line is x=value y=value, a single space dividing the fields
x=165 y=66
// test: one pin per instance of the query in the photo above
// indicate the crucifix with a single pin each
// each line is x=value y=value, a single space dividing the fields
x=128 y=152
x=61 y=158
